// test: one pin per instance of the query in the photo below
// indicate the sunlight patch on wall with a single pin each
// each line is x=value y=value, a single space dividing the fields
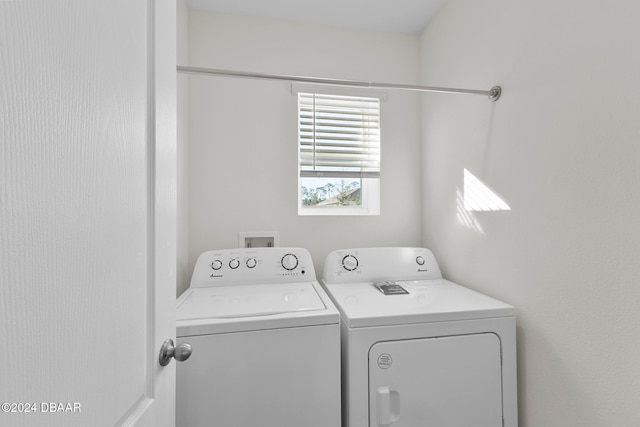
x=478 y=197
x=465 y=216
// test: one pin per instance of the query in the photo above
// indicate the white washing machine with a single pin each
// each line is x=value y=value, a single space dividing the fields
x=418 y=350
x=265 y=341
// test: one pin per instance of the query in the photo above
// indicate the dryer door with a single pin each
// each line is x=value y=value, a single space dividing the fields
x=453 y=381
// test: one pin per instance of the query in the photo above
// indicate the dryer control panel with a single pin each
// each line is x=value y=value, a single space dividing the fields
x=253 y=265
x=361 y=265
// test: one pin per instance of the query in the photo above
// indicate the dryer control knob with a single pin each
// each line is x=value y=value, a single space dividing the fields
x=234 y=263
x=349 y=262
x=251 y=262
x=420 y=260
x=216 y=265
x=289 y=261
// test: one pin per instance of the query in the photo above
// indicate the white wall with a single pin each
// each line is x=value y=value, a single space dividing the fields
x=243 y=133
x=562 y=147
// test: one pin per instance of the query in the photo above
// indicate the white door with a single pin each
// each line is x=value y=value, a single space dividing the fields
x=87 y=212
x=451 y=381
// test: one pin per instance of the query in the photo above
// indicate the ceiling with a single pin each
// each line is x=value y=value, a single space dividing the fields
x=399 y=16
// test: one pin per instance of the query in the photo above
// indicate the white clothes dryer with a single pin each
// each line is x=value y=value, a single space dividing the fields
x=418 y=350
x=265 y=341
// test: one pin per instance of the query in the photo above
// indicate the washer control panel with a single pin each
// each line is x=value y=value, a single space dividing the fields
x=253 y=265
x=380 y=264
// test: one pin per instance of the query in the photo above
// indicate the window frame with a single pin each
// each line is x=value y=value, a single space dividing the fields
x=370 y=186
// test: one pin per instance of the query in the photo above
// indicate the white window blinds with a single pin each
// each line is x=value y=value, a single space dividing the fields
x=339 y=136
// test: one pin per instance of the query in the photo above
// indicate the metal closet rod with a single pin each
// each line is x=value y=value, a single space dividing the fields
x=493 y=93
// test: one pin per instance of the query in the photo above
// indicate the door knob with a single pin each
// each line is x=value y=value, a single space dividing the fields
x=168 y=350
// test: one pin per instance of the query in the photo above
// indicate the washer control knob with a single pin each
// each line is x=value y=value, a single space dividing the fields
x=289 y=262
x=234 y=263
x=216 y=265
x=349 y=262
x=251 y=262
x=420 y=260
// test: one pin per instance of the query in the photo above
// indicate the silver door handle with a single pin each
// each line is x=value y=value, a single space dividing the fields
x=168 y=350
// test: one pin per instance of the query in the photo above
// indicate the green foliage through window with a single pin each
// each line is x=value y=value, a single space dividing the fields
x=332 y=193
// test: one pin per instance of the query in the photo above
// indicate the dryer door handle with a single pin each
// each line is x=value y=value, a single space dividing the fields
x=388 y=406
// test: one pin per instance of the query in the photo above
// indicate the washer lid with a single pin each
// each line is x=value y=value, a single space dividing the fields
x=248 y=300
x=237 y=308
x=364 y=304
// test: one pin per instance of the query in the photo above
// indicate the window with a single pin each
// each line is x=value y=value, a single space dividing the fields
x=339 y=154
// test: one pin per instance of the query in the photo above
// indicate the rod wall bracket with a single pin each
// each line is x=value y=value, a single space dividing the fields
x=495 y=94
